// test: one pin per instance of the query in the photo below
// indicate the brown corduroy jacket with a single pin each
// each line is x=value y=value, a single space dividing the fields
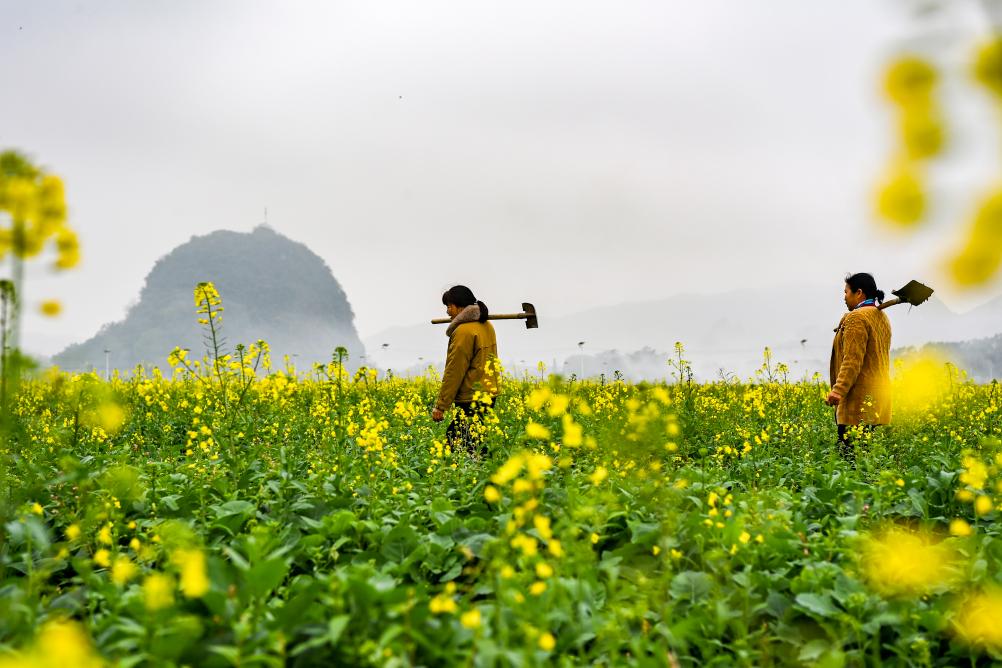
x=471 y=364
x=860 y=367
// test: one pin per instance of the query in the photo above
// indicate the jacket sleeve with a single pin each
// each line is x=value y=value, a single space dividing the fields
x=457 y=362
x=855 y=337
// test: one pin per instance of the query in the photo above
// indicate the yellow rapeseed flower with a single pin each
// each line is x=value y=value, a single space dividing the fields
x=491 y=494
x=158 y=591
x=558 y=405
x=983 y=505
x=555 y=548
x=64 y=644
x=37 y=508
x=923 y=133
x=959 y=527
x=988 y=65
x=50 y=308
x=536 y=464
x=598 y=475
x=123 y=571
x=537 y=588
x=72 y=532
x=547 y=642
x=977 y=620
x=975 y=472
x=536 y=431
x=544 y=570
x=974 y=265
x=471 y=619
x=102 y=558
x=194 y=578
x=573 y=433
x=910 y=80
x=901 y=197
x=442 y=604
x=104 y=535
x=901 y=561
x=542 y=524
x=509 y=470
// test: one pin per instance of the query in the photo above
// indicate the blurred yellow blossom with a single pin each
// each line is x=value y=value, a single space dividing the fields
x=910 y=80
x=977 y=620
x=123 y=571
x=194 y=578
x=988 y=65
x=50 y=308
x=898 y=560
x=901 y=197
x=536 y=431
x=60 y=644
x=959 y=527
x=471 y=619
x=158 y=591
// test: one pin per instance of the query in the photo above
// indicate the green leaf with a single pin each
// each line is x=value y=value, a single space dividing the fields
x=817 y=604
x=691 y=585
x=264 y=577
x=336 y=627
x=813 y=650
x=399 y=542
x=235 y=507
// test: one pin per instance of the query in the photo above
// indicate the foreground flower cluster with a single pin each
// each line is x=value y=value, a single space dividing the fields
x=223 y=513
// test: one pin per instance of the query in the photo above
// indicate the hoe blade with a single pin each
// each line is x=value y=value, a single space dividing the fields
x=914 y=293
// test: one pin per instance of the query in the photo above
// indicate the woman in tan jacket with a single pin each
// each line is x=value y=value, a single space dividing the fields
x=860 y=363
x=472 y=371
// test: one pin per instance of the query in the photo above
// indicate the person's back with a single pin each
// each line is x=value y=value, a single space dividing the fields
x=860 y=367
x=472 y=370
x=482 y=373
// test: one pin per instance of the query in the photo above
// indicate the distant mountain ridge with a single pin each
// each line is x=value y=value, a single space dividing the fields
x=272 y=288
x=721 y=333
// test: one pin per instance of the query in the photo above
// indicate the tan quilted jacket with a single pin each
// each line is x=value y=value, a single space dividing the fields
x=471 y=364
x=860 y=367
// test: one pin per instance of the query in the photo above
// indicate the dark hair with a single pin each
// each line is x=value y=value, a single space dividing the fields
x=462 y=296
x=865 y=283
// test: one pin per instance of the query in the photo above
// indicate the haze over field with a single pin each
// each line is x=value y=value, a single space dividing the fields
x=577 y=158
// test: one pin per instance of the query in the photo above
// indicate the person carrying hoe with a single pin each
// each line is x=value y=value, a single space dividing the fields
x=472 y=370
x=860 y=364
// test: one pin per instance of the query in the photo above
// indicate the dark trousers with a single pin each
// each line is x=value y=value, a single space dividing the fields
x=847 y=436
x=464 y=431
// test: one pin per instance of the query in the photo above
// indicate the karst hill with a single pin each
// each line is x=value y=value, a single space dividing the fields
x=272 y=288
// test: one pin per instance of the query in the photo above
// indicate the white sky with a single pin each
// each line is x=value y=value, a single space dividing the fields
x=573 y=154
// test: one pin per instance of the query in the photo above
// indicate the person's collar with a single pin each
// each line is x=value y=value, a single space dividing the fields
x=470 y=313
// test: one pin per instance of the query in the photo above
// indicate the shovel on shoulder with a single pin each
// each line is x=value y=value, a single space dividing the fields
x=528 y=314
x=913 y=293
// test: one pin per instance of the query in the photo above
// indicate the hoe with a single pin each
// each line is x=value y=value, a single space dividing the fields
x=914 y=293
x=528 y=314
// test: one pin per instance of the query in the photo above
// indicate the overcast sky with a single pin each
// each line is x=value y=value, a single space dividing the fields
x=573 y=153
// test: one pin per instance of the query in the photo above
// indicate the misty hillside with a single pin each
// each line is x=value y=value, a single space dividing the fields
x=272 y=288
x=980 y=358
x=723 y=333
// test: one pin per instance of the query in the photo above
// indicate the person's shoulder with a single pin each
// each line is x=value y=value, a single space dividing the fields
x=855 y=316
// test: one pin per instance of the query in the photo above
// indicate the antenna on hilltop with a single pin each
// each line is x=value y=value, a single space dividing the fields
x=264 y=223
